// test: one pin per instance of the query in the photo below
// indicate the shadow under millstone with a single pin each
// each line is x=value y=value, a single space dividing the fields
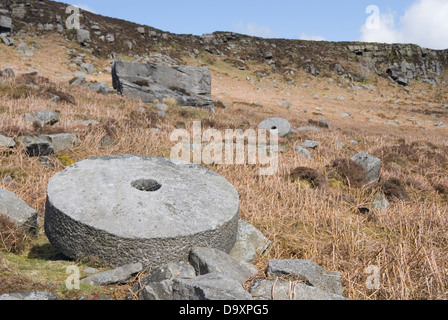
x=47 y=252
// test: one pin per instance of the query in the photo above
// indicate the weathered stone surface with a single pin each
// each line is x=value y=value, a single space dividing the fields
x=18 y=212
x=46 y=117
x=101 y=87
x=269 y=289
x=207 y=260
x=130 y=209
x=87 y=68
x=83 y=36
x=158 y=291
x=250 y=243
x=46 y=145
x=6 y=142
x=190 y=86
x=310 y=144
x=34 y=296
x=5 y=24
x=282 y=125
x=371 y=165
x=303 y=152
x=116 y=276
x=212 y=286
x=309 y=272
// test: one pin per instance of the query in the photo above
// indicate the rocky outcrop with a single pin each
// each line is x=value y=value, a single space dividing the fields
x=190 y=86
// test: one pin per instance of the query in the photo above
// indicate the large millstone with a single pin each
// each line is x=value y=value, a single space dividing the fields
x=126 y=209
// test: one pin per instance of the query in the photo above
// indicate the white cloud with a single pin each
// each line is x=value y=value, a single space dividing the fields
x=424 y=23
x=84 y=7
x=311 y=37
x=253 y=29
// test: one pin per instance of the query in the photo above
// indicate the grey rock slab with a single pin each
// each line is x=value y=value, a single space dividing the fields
x=282 y=125
x=208 y=260
x=269 y=289
x=83 y=36
x=101 y=87
x=309 y=272
x=129 y=208
x=168 y=272
x=5 y=22
x=46 y=145
x=250 y=243
x=190 y=86
x=212 y=286
x=46 y=117
x=18 y=212
x=6 y=142
x=158 y=291
x=116 y=276
x=371 y=165
x=310 y=144
x=303 y=152
x=30 y=296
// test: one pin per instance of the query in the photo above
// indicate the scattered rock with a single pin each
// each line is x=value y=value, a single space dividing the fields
x=6 y=142
x=90 y=271
x=212 y=286
x=101 y=87
x=190 y=86
x=83 y=36
x=206 y=260
x=282 y=125
x=8 y=73
x=18 y=212
x=250 y=243
x=380 y=202
x=87 y=68
x=310 y=144
x=162 y=107
x=309 y=272
x=46 y=145
x=303 y=152
x=160 y=291
x=269 y=289
x=371 y=165
x=46 y=117
x=116 y=276
x=347 y=115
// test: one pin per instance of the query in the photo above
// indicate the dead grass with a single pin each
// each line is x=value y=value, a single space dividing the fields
x=408 y=242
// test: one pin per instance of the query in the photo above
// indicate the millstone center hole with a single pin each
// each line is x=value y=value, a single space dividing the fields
x=147 y=185
x=274 y=128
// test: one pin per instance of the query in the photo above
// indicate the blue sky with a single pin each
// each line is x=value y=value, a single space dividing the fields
x=343 y=20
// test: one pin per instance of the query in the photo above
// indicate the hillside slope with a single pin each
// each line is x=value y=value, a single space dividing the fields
x=388 y=100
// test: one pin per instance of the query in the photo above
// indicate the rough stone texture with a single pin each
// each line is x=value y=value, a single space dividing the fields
x=190 y=86
x=46 y=117
x=116 y=276
x=282 y=125
x=18 y=212
x=101 y=87
x=310 y=144
x=371 y=165
x=212 y=286
x=250 y=243
x=83 y=36
x=207 y=260
x=31 y=296
x=6 y=142
x=309 y=272
x=125 y=209
x=158 y=291
x=303 y=152
x=5 y=24
x=160 y=279
x=269 y=289
x=46 y=145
